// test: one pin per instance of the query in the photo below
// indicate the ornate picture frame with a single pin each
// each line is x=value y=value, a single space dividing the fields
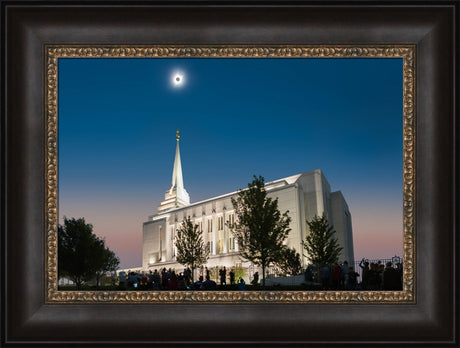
x=406 y=53
x=36 y=36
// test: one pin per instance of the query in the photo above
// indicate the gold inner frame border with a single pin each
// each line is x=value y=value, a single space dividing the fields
x=55 y=52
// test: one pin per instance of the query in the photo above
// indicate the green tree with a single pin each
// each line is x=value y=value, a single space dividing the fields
x=106 y=261
x=260 y=228
x=191 y=249
x=320 y=244
x=289 y=262
x=81 y=254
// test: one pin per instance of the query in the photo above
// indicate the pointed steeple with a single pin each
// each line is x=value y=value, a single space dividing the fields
x=176 y=196
x=177 y=181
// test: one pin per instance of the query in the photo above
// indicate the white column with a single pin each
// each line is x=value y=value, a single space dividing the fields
x=214 y=233
x=319 y=194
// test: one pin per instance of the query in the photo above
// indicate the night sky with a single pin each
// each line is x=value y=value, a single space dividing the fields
x=237 y=117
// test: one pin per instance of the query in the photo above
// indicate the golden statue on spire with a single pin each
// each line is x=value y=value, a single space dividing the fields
x=177 y=135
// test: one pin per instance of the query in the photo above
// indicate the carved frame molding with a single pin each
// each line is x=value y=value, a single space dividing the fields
x=406 y=52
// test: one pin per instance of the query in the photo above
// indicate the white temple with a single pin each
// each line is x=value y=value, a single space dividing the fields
x=304 y=195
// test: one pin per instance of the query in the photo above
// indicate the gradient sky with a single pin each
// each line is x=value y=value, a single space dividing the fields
x=237 y=117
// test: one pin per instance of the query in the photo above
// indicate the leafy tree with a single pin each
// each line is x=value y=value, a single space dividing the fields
x=191 y=249
x=239 y=272
x=81 y=254
x=289 y=262
x=97 y=258
x=112 y=261
x=260 y=228
x=106 y=260
x=320 y=244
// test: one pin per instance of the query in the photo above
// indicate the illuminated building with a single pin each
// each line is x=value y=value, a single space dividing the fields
x=303 y=195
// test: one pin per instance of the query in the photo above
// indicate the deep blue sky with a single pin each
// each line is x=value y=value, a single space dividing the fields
x=237 y=117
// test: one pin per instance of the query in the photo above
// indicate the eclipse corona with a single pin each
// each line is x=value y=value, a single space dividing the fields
x=178 y=79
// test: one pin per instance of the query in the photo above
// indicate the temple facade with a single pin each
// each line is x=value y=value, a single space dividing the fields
x=304 y=195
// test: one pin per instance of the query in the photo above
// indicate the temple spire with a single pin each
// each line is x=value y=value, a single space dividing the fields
x=177 y=180
x=176 y=196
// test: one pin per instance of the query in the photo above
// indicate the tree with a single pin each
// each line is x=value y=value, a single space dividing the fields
x=260 y=228
x=81 y=254
x=289 y=262
x=106 y=261
x=320 y=244
x=191 y=249
x=111 y=265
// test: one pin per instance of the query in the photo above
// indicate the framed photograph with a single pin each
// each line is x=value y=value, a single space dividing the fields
x=89 y=121
x=160 y=260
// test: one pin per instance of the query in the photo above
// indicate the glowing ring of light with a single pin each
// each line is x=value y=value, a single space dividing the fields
x=177 y=79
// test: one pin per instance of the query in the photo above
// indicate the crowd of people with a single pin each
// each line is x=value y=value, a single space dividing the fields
x=170 y=280
x=375 y=276
x=155 y=280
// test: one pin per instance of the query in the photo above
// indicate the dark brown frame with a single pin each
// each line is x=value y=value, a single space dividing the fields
x=28 y=26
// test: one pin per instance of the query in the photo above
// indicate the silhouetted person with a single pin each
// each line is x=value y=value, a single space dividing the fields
x=156 y=280
x=232 y=277
x=255 y=281
x=336 y=273
x=365 y=267
x=209 y=284
x=373 y=278
x=241 y=284
x=122 y=279
x=391 y=278
x=309 y=274
x=223 y=276
x=164 y=278
x=380 y=270
x=198 y=284
x=324 y=274
x=181 y=284
x=132 y=279
x=352 y=279
x=172 y=281
x=188 y=276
